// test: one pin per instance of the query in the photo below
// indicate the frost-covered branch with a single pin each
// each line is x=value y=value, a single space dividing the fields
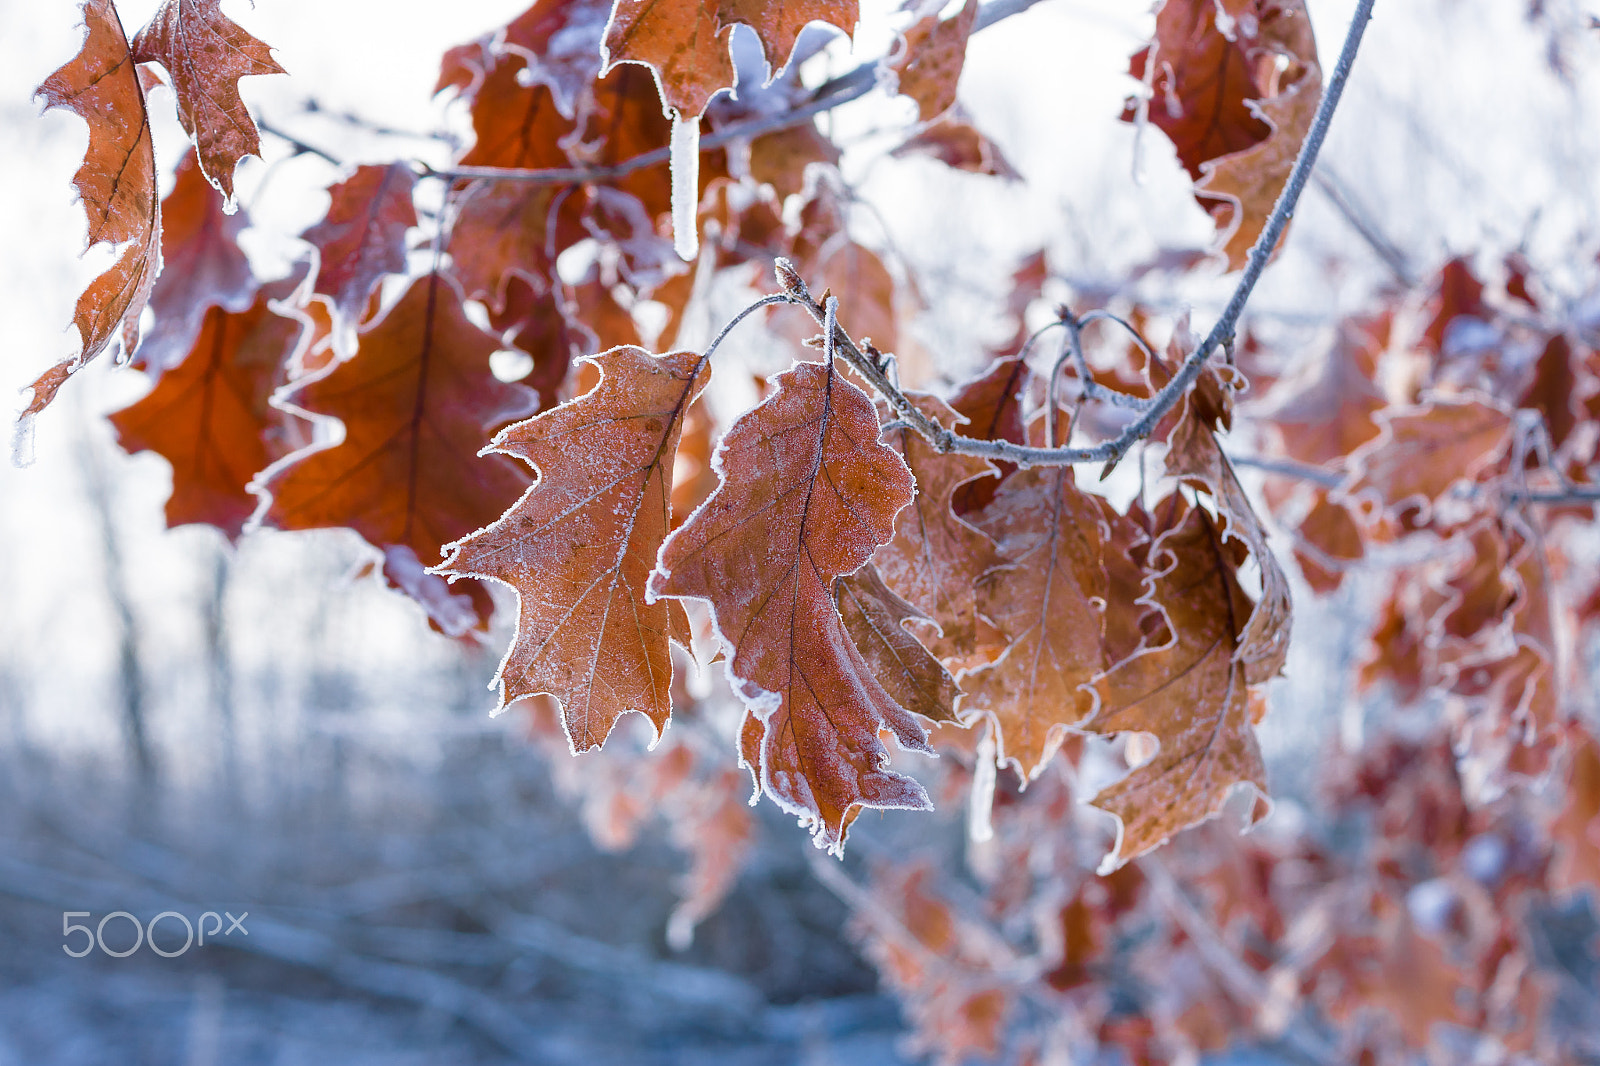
x=1221 y=335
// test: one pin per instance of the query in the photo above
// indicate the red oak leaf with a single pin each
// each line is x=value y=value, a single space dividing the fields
x=1250 y=180
x=934 y=51
x=206 y=54
x=579 y=545
x=417 y=403
x=936 y=558
x=203 y=267
x=1048 y=599
x=363 y=236
x=117 y=184
x=807 y=495
x=1201 y=84
x=1426 y=449
x=876 y=620
x=1190 y=693
x=209 y=415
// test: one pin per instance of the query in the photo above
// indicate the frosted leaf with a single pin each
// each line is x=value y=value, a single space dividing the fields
x=685 y=186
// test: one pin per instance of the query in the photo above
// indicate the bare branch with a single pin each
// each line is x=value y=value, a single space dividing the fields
x=1289 y=468
x=1221 y=335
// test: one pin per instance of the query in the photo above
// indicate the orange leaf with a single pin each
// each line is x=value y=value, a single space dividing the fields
x=779 y=25
x=930 y=65
x=875 y=619
x=1048 y=599
x=1329 y=539
x=1426 y=449
x=936 y=558
x=204 y=267
x=363 y=236
x=206 y=54
x=958 y=144
x=1189 y=693
x=1250 y=180
x=992 y=408
x=579 y=545
x=117 y=184
x=1193 y=451
x=417 y=403
x=685 y=45
x=682 y=44
x=209 y=416
x=807 y=495
x=1202 y=84
x=1327 y=411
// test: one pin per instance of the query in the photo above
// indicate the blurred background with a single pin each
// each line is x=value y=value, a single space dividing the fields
x=194 y=726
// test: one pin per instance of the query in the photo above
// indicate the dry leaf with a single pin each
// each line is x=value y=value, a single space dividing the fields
x=580 y=545
x=807 y=495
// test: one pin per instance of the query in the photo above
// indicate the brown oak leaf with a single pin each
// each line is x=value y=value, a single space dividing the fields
x=875 y=618
x=417 y=403
x=1189 y=693
x=807 y=495
x=682 y=44
x=1329 y=408
x=1329 y=540
x=1193 y=452
x=1049 y=600
x=203 y=267
x=209 y=415
x=685 y=45
x=1250 y=180
x=117 y=184
x=362 y=236
x=579 y=546
x=1424 y=450
x=936 y=558
x=934 y=51
x=992 y=408
x=1202 y=83
x=206 y=54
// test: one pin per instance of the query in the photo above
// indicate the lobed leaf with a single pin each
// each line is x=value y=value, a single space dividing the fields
x=807 y=495
x=933 y=51
x=206 y=54
x=117 y=184
x=210 y=415
x=203 y=267
x=416 y=402
x=876 y=620
x=1048 y=598
x=362 y=236
x=1190 y=693
x=936 y=557
x=580 y=544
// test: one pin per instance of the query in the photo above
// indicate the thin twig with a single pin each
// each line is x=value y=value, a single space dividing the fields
x=1289 y=468
x=300 y=147
x=1385 y=249
x=946 y=441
